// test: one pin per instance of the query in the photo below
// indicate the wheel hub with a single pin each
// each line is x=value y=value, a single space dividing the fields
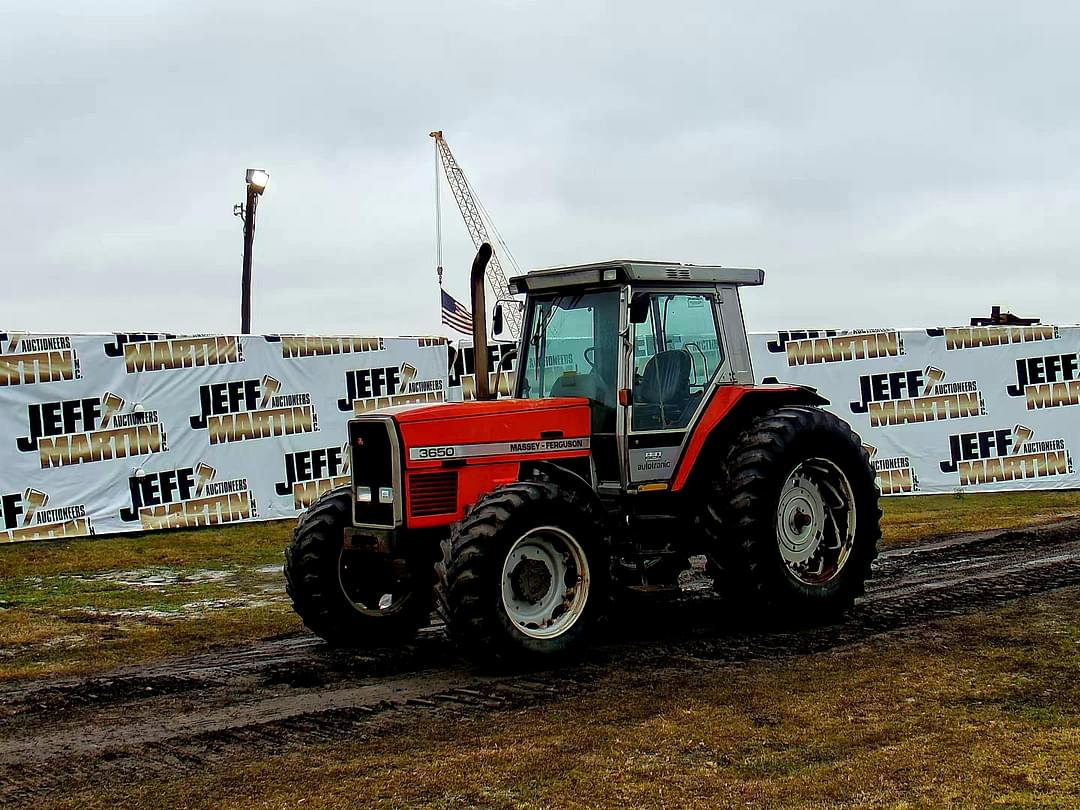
x=815 y=521
x=802 y=519
x=531 y=580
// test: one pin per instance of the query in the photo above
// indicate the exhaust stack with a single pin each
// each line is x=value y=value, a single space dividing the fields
x=479 y=320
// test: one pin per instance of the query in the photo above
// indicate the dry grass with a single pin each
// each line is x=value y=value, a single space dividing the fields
x=88 y=605
x=242 y=544
x=62 y=610
x=912 y=519
x=977 y=711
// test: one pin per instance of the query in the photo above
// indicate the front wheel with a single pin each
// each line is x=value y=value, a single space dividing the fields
x=352 y=598
x=793 y=517
x=526 y=574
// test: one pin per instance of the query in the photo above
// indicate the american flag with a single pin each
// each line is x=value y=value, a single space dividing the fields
x=455 y=314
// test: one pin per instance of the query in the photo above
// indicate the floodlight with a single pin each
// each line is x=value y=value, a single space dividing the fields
x=257 y=180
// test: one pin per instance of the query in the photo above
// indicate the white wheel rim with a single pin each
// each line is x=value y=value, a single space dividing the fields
x=545 y=582
x=815 y=521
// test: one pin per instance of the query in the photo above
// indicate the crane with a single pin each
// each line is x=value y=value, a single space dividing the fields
x=473 y=214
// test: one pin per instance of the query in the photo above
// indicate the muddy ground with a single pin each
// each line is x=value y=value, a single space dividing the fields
x=183 y=715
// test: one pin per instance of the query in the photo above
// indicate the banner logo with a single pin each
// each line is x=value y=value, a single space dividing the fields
x=293 y=346
x=990 y=456
x=1047 y=381
x=895 y=475
x=239 y=410
x=367 y=389
x=187 y=497
x=463 y=368
x=83 y=431
x=310 y=473
x=904 y=397
x=973 y=337
x=25 y=516
x=29 y=360
x=164 y=352
x=809 y=347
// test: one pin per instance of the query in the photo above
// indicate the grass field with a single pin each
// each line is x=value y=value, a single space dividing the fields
x=87 y=605
x=977 y=711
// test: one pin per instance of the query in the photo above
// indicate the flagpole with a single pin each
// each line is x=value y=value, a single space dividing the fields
x=438 y=220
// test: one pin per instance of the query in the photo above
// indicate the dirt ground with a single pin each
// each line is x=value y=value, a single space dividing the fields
x=85 y=606
x=953 y=682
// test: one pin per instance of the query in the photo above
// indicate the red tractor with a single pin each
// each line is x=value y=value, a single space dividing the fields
x=635 y=440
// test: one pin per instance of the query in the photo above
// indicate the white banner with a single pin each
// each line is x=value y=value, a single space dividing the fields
x=104 y=434
x=110 y=433
x=946 y=410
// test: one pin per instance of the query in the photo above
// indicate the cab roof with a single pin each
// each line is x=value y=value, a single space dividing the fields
x=617 y=271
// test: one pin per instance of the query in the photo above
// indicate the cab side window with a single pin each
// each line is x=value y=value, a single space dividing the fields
x=677 y=353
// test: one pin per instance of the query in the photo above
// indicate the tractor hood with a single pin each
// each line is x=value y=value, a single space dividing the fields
x=488 y=423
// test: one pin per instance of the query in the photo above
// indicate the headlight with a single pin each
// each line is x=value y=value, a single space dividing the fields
x=363 y=494
x=386 y=494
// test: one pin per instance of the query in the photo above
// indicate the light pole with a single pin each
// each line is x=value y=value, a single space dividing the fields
x=257 y=180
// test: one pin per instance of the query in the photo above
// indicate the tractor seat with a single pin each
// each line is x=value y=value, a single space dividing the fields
x=663 y=394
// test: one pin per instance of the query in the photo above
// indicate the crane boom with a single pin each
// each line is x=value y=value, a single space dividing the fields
x=474 y=222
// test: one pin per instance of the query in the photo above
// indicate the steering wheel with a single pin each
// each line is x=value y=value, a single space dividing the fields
x=590 y=357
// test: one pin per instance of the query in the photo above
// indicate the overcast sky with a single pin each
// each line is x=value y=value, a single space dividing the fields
x=901 y=164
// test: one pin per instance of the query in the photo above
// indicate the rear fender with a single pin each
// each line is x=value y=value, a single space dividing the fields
x=730 y=409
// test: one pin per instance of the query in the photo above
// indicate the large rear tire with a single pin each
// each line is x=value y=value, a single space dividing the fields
x=526 y=574
x=351 y=598
x=792 y=516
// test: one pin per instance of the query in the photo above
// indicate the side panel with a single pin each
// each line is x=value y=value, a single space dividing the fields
x=735 y=337
x=450 y=463
x=497 y=436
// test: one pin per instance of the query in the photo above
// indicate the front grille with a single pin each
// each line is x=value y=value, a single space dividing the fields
x=432 y=493
x=375 y=465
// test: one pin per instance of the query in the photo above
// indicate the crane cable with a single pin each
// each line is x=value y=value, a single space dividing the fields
x=504 y=248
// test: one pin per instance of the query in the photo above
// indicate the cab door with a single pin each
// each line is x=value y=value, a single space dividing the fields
x=678 y=358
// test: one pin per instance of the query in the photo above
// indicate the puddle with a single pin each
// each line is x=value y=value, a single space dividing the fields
x=124 y=613
x=230 y=589
x=68 y=642
x=158 y=577
x=187 y=610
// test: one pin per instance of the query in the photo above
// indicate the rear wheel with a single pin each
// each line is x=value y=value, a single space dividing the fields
x=351 y=598
x=793 y=516
x=526 y=574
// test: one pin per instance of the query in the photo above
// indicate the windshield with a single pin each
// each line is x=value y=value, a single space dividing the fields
x=571 y=350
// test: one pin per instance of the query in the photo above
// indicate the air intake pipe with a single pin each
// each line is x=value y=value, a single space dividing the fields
x=479 y=321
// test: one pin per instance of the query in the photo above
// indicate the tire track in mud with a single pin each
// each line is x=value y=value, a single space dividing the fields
x=180 y=715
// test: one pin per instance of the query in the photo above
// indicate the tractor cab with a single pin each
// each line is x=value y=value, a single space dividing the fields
x=646 y=343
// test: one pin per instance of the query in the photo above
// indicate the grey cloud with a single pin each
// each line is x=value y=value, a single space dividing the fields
x=908 y=164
